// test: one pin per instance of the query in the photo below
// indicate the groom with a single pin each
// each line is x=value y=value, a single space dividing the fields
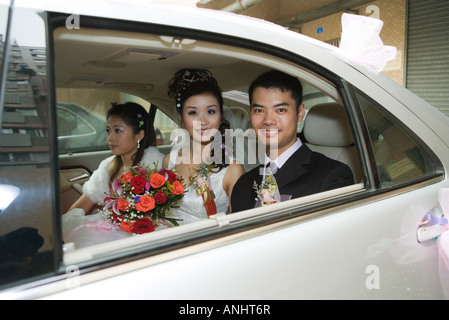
x=276 y=108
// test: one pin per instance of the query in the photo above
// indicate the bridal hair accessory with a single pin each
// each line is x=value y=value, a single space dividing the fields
x=189 y=77
x=140 y=121
x=184 y=78
x=361 y=42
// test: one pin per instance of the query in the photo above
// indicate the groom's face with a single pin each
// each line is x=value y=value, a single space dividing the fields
x=274 y=117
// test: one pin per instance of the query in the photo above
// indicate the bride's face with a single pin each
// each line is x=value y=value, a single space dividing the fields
x=201 y=117
x=121 y=138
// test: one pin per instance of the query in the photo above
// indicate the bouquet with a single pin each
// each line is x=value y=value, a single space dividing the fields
x=141 y=199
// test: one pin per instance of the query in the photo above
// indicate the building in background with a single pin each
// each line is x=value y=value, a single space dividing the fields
x=25 y=120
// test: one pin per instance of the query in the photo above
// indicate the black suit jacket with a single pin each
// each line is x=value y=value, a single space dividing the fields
x=304 y=173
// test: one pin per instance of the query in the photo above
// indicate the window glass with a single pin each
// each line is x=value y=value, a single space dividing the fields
x=238 y=103
x=311 y=96
x=398 y=156
x=27 y=239
x=163 y=125
x=150 y=75
x=82 y=117
x=3 y=24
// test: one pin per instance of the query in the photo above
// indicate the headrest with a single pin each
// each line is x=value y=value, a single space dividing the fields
x=327 y=124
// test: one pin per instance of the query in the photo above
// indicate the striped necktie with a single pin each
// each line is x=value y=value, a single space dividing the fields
x=273 y=167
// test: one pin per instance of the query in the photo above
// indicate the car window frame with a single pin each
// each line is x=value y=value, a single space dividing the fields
x=52 y=256
x=357 y=117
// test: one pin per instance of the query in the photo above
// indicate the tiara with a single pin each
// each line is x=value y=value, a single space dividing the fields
x=187 y=78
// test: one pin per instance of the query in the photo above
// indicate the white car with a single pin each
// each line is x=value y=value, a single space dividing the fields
x=365 y=241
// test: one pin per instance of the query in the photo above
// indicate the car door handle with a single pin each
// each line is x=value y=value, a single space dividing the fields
x=432 y=227
x=83 y=176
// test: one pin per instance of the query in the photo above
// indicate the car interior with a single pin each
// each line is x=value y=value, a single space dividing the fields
x=96 y=67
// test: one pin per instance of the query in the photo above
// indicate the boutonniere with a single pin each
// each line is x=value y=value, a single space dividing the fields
x=267 y=192
x=200 y=181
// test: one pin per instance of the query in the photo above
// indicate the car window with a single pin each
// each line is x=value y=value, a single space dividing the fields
x=29 y=238
x=164 y=126
x=4 y=7
x=311 y=97
x=155 y=61
x=82 y=117
x=398 y=156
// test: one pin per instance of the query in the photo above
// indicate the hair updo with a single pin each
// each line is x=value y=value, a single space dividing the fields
x=190 y=82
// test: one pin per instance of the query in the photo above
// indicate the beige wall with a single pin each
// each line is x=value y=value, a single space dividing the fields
x=391 y=12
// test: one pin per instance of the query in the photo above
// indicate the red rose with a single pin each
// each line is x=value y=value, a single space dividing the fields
x=146 y=203
x=127 y=177
x=160 y=197
x=126 y=226
x=171 y=176
x=156 y=180
x=138 y=183
x=143 y=225
x=116 y=218
x=178 y=188
x=122 y=204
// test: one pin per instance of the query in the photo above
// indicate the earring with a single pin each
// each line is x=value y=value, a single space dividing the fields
x=138 y=144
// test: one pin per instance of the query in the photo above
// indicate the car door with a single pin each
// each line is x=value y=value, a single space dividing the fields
x=355 y=242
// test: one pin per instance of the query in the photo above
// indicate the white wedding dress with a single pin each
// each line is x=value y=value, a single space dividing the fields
x=86 y=230
x=191 y=207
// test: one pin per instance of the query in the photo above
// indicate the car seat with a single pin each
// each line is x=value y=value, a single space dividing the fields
x=327 y=131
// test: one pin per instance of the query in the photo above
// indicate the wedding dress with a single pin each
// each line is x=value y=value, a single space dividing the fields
x=85 y=230
x=191 y=207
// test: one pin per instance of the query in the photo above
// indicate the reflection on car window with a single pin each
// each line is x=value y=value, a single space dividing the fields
x=3 y=24
x=79 y=128
x=398 y=156
x=163 y=125
x=28 y=244
x=82 y=117
x=72 y=125
x=311 y=96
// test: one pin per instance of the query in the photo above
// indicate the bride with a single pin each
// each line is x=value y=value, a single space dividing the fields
x=209 y=176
